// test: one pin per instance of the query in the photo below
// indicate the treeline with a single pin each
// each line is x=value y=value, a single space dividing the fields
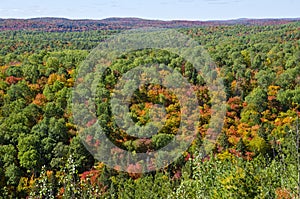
x=67 y=25
x=257 y=153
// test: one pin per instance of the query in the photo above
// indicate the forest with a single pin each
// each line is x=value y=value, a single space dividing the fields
x=256 y=154
x=52 y=24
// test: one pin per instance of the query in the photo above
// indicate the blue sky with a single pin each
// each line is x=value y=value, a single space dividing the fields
x=151 y=9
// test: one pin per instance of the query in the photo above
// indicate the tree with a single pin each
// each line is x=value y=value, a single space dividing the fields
x=257 y=99
x=19 y=90
x=15 y=71
x=31 y=73
x=29 y=152
x=265 y=78
x=81 y=157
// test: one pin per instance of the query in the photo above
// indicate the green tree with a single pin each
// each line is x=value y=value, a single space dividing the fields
x=29 y=152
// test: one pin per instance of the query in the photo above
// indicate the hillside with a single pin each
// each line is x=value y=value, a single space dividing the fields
x=67 y=25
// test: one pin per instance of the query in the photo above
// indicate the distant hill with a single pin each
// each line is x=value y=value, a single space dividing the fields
x=64 y=25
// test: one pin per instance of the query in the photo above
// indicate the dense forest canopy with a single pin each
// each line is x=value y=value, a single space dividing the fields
x=256 y=154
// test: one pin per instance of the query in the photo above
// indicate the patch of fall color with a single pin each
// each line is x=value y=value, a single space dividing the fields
x=232 y=130
x=70 y=71
x=271 y=98
x=205 y=111
x=3 y=68
x=243 y=129
x=231 y=114
x=13 y=80
x=70 y=82
x=288 y=120
x=273 y=91
x=278 y=122
x=99 y=166
x=61 y=193
x=264 y=120
x=90 y=176
x=284 y=120
x=55 y=77
x=235 y=103
x=42 y=81
x=40 y=100
x=253 y=132
x=255 y=128
x=282 y=193
x=70 y=125
x=267 y=115
x=34 y=87
x=225 y=155
x=249 y=155
x=49 y=174
x=233 y=85
x=233 y=139
x=234 y=152
x=245 y=104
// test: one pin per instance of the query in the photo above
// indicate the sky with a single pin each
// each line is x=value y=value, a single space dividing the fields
x=151 y=9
